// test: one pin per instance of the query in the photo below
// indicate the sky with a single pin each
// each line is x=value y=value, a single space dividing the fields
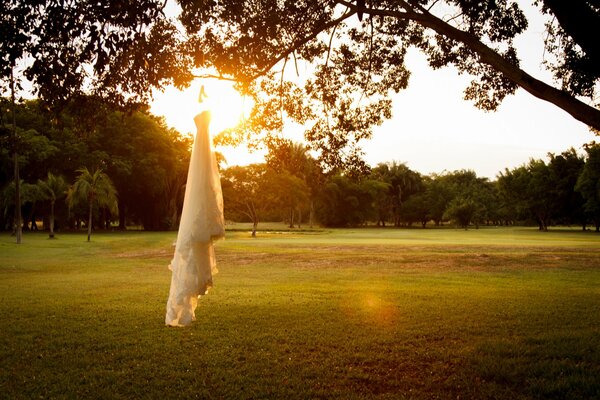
x=432 y=129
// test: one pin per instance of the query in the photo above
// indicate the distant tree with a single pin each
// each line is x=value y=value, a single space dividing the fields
x=588 y=184
x=374 y=191
x=383 y=204
x=566 y=169
x=347 y=202
x=402 y=183
x=52 y=188
x=540 y=192
x=147 y=162
x=462 y=210
x=285 y=155
x=531 y=188
x=23 y=146
x=470 y=194
x=438 y=194
x=30 y=195
x=513 y=189
x=416 y=209
x=283 y=190
x=243 y=193
x=93 y=188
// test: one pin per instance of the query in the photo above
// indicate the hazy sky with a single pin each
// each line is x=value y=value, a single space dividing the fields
x=433 y=129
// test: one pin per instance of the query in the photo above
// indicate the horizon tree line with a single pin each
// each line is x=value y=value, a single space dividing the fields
x=140 y=167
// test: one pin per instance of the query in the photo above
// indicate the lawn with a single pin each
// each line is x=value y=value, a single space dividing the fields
x=494 y=313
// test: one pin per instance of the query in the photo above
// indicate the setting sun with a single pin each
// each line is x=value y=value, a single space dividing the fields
x=227 y=108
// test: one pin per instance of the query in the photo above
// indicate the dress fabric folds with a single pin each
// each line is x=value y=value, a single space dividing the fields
x=202 y=222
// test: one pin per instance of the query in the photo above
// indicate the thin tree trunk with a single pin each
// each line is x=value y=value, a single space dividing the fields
x=253 y=216
x=122 y=226
x=34 y=226
x=311 y=213
x=18 y=217
x=51 y=236
x=254 y=225
x=291 y=217
x=89 y=227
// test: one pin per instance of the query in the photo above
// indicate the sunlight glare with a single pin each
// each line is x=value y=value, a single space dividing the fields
x=227 y=109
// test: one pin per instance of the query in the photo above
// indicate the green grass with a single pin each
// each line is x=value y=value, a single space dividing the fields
x=498 y=313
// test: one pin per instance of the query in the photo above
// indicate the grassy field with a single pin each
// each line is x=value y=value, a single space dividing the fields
x=347 y=314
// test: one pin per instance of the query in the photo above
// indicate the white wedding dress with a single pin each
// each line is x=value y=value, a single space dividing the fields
x=202 y=222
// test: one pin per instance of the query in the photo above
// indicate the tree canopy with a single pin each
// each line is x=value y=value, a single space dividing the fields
x=114 y=49
x=356 y=65
x=119 y=50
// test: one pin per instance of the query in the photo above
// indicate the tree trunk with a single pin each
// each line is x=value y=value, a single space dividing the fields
x=89 y=227
x=103 y=219
x=51 y=235
x=291 y=217
x=299 y=218
x=34 y=226
x=253 y=215
x=254 y=225
x=122 y=207
x=18 y=217
x=311 y=214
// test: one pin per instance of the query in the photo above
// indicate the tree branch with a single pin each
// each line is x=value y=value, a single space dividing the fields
x=579 y=110
x=300 y=43
x=212 y=76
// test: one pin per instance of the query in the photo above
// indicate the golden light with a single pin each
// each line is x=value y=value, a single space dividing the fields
x=371 y=308
x=227 y=109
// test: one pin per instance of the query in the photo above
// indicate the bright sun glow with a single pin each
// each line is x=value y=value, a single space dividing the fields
x=227 y=108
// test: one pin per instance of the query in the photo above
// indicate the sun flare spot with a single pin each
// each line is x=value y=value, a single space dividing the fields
x=372 y=309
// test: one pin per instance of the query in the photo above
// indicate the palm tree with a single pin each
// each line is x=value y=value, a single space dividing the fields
x=53 y=188
x=93 y=188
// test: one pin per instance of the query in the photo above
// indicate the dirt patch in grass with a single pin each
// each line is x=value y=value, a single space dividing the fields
x=147 y=253
x=442 y=259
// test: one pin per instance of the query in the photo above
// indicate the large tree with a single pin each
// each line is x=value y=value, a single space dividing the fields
x=121 y=49
x=117 y=50
x=114 y=49
x=356 y=64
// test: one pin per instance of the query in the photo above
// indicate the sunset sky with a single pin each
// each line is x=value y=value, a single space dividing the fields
x=433 y=129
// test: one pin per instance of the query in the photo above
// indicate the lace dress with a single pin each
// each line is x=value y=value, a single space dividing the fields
x=202 y=222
